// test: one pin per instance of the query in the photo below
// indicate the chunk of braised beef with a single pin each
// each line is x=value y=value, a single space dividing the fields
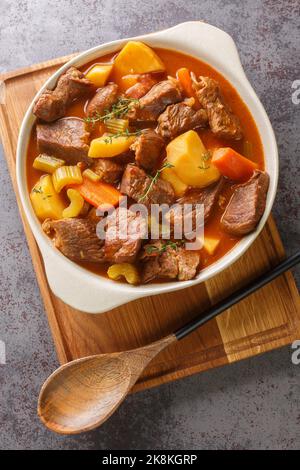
x=179 y=118
x=52 y=104
x=125 y=230
x=221 y=119
x=185 y=214
x=162 y=260
x=110 y=170
x=137 y=185
x=139 y=89
x=148 y=148
x=76 y=238
x=155 y=101
x=66 y=138
x=102 y=100
x=246 y=205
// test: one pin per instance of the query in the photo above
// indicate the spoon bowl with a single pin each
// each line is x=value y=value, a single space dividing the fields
x=81 y=395
x=86 y=391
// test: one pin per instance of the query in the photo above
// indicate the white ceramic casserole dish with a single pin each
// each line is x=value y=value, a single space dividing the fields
x=92 y=293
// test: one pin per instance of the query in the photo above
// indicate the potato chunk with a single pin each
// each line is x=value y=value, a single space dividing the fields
x=168 y=174
x=99 y=74
x=191 y=160
x=109 y=146
x=136 y=58
x=45 y=201
x=211 y=244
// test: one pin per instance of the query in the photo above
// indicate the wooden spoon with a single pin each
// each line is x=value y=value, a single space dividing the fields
x=81 y=395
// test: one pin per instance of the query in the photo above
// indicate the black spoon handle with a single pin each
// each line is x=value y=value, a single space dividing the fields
x=237 y=296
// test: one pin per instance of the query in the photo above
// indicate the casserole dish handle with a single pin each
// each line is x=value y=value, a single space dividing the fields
x=216 y=43
x=83 y=290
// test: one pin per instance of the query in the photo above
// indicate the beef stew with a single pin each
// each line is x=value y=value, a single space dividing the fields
x=169 y=135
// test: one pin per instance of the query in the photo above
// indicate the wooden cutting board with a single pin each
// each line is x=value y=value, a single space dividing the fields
x=268 y=319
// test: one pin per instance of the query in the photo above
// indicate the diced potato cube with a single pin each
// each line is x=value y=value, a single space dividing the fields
x=99 y=74
x=108 y=146
x=211 y=244
x=45 y=201
x=136 y=57
x=190 y=160
x=168 y=174
x=76 y=204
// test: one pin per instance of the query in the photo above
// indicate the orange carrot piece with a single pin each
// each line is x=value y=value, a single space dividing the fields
x=184 y=77
x=232 y=164
x=98 y=194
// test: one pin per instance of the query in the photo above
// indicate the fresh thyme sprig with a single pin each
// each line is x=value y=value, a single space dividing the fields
x=150 y=249
x=126 y=133
x=118 y=110
x=154 y=180
x=38 y=190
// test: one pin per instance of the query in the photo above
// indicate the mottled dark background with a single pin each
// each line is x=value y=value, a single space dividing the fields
x=253 y=404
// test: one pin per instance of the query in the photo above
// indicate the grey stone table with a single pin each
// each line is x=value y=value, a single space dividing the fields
x=252 y=404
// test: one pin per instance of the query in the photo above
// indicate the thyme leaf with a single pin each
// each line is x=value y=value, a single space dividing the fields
x=126 y=133
x=150 y=249
x=205 y=157
x=118 y=110
x=38 y=190
x=154 y=180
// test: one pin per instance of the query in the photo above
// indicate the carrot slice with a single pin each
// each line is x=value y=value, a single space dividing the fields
x=98 y=194
x=184 y=77
x=232 y=164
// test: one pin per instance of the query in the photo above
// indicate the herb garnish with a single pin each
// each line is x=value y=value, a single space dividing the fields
x=150 y=249
x=154 y=180
x=118 y=110
x=126 y=133
x=205 y=157
x=38 y=190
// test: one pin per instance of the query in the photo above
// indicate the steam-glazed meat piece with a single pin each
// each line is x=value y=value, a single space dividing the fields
x=102 y=100
x=125 y=230
x=144 y=84
x=155 y=101
x=148 y=148
x=76 y=239
x=246 y=206
x=140 y=187
x=184 y=214
x=52 y=104
x=222 y=121
x=207 y=196
x=179 y=118
x=168 y=261
x=109 y=169
x=66 y=138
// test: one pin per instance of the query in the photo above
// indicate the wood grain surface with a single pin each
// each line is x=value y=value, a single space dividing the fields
x=268 y=319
